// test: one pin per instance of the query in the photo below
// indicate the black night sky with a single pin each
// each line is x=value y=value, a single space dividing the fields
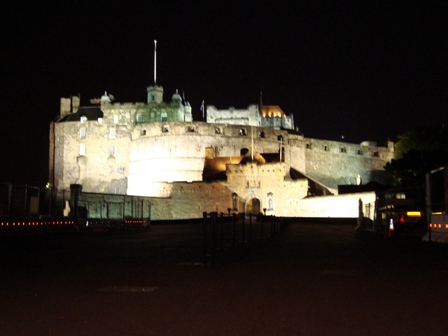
x=365 y=70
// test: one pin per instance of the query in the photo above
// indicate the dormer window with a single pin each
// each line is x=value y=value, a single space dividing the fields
x=83 y=119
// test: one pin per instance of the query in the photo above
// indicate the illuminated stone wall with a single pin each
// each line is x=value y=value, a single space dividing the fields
x=118 y=156
x=232 y=116
x=335 y=163
x=126 y=154
x=180 y=200
x=96 y=161
x=269 y=117
x=189 y=200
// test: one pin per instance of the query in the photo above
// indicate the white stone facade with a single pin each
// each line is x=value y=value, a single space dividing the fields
x=107 y=149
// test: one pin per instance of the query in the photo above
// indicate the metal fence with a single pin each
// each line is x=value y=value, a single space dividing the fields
x=25 y=201
x=221 y=231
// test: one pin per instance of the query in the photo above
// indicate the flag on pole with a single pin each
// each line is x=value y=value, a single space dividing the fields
x=203 y=110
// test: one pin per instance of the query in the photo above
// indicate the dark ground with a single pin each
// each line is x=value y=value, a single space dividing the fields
x=314 y=279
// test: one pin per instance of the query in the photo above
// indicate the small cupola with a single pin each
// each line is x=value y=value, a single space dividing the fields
x=176 y=97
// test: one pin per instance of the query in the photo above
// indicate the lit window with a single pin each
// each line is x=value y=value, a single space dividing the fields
x=112 y=133
x=115 y=119
x=270 y=201
x=82 y=133
x=234 y=202
x=164 y=116
x=83 y=119
x=100 y=120
x=139 y=117
x=82 y=149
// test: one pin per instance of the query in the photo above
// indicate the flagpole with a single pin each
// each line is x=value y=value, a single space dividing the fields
x=252 y=135
x=203 y=110
x=155 y=61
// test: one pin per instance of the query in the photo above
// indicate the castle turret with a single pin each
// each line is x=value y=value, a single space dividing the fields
x=155 y=94
x=69 y=105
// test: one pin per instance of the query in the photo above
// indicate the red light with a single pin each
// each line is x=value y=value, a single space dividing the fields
x=402 y=219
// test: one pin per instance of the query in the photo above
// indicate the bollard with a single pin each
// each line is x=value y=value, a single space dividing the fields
x=233 y=228
x=222 y=231
x=204 y=233
x=250 y=226
x=214 y=216
x=244 y=228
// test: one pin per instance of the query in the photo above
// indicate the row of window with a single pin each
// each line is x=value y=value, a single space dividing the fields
x=242 y=132
x=82 y=149
x=326 y=148
x=83 y=119
x=83 y=133
x=218 y=130
x=163 y=117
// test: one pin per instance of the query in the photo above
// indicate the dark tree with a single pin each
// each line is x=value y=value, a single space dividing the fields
x=416 y=153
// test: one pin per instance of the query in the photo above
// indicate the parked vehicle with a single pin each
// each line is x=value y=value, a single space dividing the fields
x=396 y=213
x=437 y=205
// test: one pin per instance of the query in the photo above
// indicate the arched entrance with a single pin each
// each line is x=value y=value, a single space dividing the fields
x=253 y=206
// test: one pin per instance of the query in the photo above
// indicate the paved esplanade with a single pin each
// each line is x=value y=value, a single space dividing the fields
x=311 y=280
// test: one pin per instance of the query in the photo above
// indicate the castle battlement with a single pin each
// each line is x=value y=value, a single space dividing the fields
x=243 y=158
